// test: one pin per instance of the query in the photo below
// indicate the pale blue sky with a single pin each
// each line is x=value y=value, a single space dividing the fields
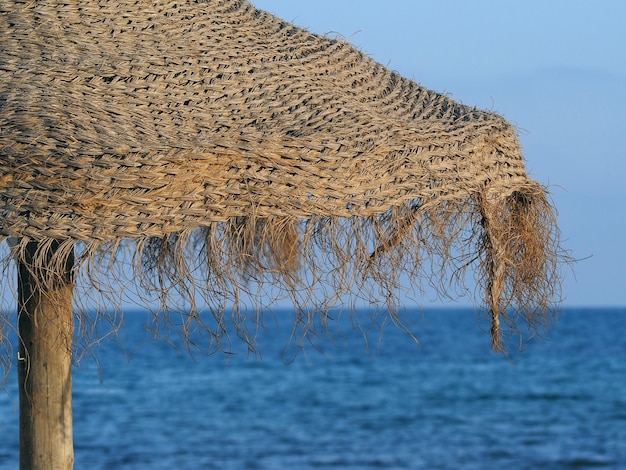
x=556 y=69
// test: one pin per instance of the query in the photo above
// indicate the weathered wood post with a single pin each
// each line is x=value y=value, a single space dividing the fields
x=45 y=326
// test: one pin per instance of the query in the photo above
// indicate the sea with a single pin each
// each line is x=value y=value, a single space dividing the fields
x=353 y=400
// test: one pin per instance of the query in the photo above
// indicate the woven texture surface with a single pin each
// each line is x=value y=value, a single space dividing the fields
x=227 y=145
x=128 y=119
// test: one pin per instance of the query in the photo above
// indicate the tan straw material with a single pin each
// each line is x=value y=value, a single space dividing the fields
x=215 y=132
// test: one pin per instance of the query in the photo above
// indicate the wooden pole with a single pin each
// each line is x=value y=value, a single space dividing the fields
x=46 y=327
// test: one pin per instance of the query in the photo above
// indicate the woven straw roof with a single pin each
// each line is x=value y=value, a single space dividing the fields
x=155 y=121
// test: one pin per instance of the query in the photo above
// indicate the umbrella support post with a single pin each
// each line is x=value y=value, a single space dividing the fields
x=45 y=327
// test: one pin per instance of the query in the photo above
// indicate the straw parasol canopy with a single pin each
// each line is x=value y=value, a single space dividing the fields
x=225 y=154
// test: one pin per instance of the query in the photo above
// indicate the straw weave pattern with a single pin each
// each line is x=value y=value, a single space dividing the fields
x=127 y=119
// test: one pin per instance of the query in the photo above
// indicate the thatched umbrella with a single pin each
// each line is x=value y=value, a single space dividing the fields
x=231 y=150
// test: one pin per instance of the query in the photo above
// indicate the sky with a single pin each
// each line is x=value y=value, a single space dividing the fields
x=555 y=69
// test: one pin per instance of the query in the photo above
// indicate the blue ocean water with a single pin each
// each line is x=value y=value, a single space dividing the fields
x=448 y=403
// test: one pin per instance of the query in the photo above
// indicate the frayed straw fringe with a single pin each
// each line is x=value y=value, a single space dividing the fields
x=512 y=242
